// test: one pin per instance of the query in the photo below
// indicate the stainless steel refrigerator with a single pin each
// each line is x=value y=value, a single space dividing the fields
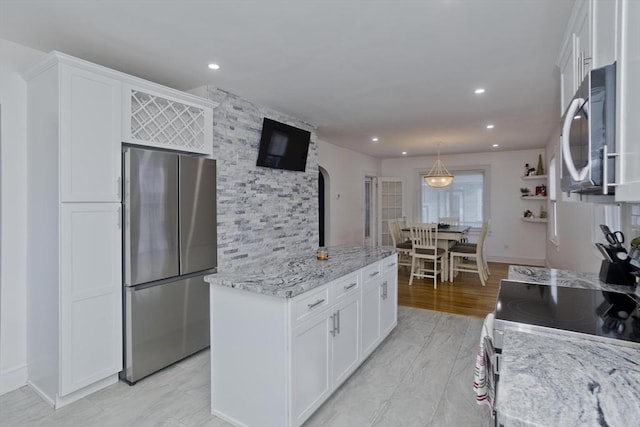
x=169 y=239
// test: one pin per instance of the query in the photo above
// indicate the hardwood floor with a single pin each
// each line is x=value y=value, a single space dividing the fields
x=465 y=295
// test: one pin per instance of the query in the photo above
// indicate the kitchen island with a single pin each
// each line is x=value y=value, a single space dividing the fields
x=284 y=336
x=556 y=378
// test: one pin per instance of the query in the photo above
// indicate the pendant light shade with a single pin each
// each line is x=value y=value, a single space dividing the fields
x=438 y=176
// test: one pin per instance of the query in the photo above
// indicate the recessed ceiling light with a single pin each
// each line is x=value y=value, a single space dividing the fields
x=495 y=145
x=479 y=91
x=576 y=117
x=214 y=66
x=490 y=126
x=404 y=153
x=375 y=139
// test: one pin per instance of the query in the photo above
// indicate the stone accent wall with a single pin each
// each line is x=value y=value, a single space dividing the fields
x=264 y=215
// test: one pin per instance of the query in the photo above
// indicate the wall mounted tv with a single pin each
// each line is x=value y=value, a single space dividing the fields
x=283 y=146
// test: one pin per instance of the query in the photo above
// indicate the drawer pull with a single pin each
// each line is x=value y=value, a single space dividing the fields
x=346 y=288
x=317 y=303
x=392 y=264
x=375 y=273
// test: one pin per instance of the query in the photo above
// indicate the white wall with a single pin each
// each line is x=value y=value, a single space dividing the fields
x=13 y=213
x=344 y=221
x=510 y=239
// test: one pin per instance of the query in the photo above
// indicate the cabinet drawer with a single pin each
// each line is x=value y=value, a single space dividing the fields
x=390 y=264
x=372 y=271
x=311 y=302
x=346 y=285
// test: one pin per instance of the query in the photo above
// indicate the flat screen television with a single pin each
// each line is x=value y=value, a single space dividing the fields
x=283 y=146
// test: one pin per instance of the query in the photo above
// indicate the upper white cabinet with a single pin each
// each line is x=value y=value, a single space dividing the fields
x=165 y=119
x=589 y=42
x=628 y=108
x=90 y=126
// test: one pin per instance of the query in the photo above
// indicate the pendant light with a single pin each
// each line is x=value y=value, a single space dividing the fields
x=439 y=176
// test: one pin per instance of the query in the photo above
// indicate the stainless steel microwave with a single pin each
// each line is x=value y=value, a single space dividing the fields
x=589 y=137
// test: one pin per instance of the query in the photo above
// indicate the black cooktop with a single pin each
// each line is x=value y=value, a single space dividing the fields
x=601 y=313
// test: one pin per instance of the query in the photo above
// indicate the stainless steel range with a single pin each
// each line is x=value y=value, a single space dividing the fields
x=601 y=314
x=593 y=314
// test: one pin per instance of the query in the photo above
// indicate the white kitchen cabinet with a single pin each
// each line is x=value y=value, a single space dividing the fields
x=163 y=118
x=371 y=291
x=389 y=297
x=282 y=358
x=312 y=365
x=568 y=72
x=628 y=108
x=89 y=117
x=90 y=315
x=74 y=285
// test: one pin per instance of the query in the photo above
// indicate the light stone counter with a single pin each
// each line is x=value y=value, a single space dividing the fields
x=553 y=380
x=565 y=278
x=301 y=274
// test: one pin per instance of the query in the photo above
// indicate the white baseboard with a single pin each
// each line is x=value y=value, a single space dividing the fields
x=58 y=402
x=518 y=261
x=13 y=379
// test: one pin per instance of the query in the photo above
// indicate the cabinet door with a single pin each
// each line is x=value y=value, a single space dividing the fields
x=628 y=93
x=346 y=341
x=370 y=315
x=604 y=32
x=582 y=30
x=310 y=376
x=91 y=294
x=90 y=164
x=389 y=301
x=567 y=73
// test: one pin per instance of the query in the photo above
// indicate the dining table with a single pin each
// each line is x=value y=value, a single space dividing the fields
x=447 y=237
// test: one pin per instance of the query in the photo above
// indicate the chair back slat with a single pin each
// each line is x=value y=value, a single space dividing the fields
x=424 y=235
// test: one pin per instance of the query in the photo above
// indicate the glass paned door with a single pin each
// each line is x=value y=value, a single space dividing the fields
x=391 y=197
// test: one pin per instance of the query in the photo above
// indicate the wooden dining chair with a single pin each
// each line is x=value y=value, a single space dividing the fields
x=403 y=247
x=427 y=259
x=469 y=257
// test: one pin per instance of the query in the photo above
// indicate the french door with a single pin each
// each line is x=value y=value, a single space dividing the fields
x=391 y=205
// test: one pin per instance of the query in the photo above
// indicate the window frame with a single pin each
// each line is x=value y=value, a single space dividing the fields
x=486 y=187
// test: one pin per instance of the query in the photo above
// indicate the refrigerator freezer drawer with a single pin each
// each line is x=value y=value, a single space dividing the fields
x=164 y=324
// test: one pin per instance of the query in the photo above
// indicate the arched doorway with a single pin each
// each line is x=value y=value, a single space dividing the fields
x=323 y=191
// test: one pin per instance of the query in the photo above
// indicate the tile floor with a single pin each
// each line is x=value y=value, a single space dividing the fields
x=421 y=375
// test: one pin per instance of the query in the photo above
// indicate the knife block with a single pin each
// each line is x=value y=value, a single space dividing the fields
x=616 y=273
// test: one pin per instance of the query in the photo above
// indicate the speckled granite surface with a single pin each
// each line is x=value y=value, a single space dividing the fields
x=552 y=380
x=286 y=280
x=566 y=278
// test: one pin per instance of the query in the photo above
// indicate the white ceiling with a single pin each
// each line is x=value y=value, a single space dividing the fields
x=401 y=70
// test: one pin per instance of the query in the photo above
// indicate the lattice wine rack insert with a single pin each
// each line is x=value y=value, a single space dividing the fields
x=166 y=122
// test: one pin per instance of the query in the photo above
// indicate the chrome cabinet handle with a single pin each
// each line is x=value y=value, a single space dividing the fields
x=315 y=304
x=333 y=325
x=346 y=288
x=392 y=264
x=338 y=316
x=384 y=290
x=375 y=273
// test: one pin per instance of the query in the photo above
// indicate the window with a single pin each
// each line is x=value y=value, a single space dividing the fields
x=464 y=198
x=553 y=212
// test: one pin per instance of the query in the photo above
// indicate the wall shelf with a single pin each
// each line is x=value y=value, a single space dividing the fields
x=533 y=197
x=543 y=220
x=530 y=177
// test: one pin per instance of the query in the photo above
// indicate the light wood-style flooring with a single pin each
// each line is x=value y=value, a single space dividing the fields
x=465 y=295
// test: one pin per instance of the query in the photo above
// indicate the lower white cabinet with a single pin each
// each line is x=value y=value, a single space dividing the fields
x=274 y=361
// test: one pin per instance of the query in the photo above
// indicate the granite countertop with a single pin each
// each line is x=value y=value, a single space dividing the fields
x=551 y=378
x=554 y=380
x=565 y=278
x=300 y=274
